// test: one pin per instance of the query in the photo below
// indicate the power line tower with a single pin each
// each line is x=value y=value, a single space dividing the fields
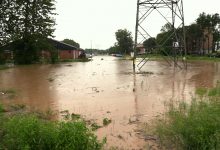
x=151 y=16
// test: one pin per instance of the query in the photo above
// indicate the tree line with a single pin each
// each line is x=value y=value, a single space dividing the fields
x=26 y=24
x=196 y=34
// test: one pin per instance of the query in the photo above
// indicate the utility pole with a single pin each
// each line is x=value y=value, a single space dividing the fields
x=136 y=35
x=169 y=12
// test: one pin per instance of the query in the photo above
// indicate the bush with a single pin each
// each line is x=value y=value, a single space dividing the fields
x=30 y=132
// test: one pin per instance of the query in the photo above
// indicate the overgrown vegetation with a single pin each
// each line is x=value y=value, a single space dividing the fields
x=30 y=131
x=194 y=126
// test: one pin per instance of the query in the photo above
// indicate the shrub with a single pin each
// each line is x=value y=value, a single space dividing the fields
x=30 y=132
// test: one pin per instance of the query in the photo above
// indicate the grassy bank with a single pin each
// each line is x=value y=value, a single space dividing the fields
x=194 y=126
x=3 y=67
x=188 y=57
x=31 y=131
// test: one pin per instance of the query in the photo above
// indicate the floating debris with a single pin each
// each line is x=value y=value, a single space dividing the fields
x=69 y=65
x=106 y=121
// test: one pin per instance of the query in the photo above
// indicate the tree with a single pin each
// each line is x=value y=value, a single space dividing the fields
x=150 y=44
x=113 y=49
x=210 y=23
x=164 y=39
x=29 y=22
x=71 y=42
x=194 y=35
x=124 y=41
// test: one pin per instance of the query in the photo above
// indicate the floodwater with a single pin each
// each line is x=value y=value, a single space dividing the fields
x=108 y=89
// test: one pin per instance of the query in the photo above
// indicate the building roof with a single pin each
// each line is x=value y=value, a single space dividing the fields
x=62 y=46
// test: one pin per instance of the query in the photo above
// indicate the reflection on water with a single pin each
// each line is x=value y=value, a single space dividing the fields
x=108 y=89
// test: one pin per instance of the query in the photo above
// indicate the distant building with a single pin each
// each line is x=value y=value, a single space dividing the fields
x=140 y=49
x=64 y=51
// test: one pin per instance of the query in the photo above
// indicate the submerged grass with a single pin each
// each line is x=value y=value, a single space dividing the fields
x=194 y=126
x=28 y=131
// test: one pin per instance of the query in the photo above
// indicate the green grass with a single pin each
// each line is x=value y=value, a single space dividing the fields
x=28 y=131
x=3 y=67
x=194 y=126
x=188 y=57
x=215 y=92
x=201 y=91
x=1 y=108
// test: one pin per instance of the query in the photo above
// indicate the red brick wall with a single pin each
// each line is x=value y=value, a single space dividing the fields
x=66 y=54
x=69 y=54
x=63 y=54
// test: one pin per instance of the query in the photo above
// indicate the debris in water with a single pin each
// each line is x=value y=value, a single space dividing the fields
x=106 y=121
x=120 y=137
x=50 y=79
x=133 y=120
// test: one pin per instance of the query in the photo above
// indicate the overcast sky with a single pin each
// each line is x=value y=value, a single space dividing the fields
x=93 y=23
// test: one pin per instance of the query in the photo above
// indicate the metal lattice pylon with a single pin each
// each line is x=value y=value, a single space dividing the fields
x=151 y=16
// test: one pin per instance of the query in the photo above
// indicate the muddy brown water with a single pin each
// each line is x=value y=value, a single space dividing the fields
x=108 y=89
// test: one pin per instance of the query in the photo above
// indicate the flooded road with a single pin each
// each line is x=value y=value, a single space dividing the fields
x=108 y=89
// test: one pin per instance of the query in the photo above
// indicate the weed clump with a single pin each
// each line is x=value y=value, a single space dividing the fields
x=106 y=121
x=28 y=131
x=192 y=126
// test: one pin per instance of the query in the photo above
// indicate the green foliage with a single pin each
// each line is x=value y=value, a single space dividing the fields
x=1 y=108
x=150 y=44
x=28 y=23
x=30 y=132
x=211 y=23
x=215 y=92
x=201 y=91
x=113 y=50
x=2 y=58
x=162 y=39
x=124 y=41
x=96 y=51
x=192 y=126
x=71 y=42
x=95 y=126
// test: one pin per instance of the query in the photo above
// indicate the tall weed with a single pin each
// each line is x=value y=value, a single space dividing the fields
x=194 y=126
